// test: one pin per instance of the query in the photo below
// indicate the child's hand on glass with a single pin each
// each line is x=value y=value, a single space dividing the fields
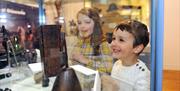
x=78 y=57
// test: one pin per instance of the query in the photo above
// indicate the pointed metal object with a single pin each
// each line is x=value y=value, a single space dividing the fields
x=67 y=81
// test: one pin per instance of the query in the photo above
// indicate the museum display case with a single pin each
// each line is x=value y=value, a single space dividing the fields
x=23 y=18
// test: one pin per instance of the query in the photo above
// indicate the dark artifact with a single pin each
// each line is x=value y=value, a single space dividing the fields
x=50 y=49
x=3 y=61
x=5 y=58
x=55 y=60
x=49 y=39
x=67 y=81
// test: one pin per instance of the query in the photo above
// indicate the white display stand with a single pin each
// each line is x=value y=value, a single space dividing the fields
x=88 y=74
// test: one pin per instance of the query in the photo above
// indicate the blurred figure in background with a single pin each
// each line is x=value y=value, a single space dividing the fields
x=111 y=18
x=21 y=33
x=73 y=27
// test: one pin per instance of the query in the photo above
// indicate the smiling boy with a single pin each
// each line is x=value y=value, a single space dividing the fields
x=129 y=39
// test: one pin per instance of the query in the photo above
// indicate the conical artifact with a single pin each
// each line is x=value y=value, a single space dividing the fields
x=67 y=81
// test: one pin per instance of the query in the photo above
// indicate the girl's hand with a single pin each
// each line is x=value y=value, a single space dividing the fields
x=79 y=58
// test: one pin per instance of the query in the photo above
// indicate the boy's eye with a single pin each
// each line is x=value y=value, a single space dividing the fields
x=113 y=38
x=121 y=40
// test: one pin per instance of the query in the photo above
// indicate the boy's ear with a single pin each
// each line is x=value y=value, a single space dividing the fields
x=138 y=48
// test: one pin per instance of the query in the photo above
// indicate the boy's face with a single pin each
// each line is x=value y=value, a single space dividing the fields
x=85 y=25
x=122 y=44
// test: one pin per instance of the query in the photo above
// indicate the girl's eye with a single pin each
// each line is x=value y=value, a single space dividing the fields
x=88 y=22
x=79 y=22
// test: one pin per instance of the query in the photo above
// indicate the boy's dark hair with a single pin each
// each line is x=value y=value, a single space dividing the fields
x=137 y=29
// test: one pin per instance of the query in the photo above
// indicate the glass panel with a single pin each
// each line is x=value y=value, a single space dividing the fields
x=113 y=12
x=20 y=18
x=18 y=27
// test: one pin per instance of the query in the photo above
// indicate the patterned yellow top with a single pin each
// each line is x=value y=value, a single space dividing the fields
x=102 y=63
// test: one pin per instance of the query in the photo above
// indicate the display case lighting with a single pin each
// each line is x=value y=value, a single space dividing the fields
x=61 y=19
x=3 y=18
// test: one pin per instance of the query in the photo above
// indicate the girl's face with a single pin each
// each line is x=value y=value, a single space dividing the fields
x=122 y=44
x=85 y=25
